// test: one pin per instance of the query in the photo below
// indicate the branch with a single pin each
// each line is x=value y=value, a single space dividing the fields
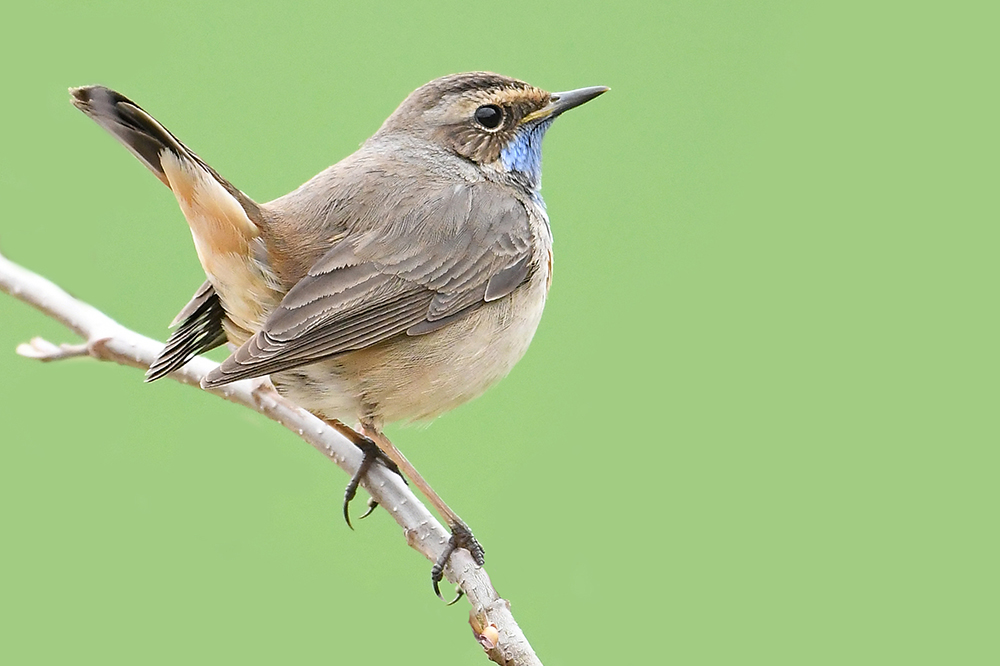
x=107 y=340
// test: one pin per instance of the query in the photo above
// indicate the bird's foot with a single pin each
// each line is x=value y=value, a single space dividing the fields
x=372 y=453
x=461 y=537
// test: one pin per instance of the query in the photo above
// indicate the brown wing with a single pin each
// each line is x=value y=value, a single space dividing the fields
x=458 y=247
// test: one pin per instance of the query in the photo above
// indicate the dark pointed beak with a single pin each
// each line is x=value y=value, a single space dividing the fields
x=564 y=101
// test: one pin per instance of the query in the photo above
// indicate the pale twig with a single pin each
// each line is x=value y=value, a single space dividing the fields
x=107 y=340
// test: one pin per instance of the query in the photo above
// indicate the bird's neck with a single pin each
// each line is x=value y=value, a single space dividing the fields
x=521 y=158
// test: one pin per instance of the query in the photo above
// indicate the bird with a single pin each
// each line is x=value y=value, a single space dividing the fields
x=393 y=286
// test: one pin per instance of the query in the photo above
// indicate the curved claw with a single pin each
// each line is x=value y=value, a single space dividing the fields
x=372 y=505
x=371 y=454
x=352 y=488
x=437 y=571
x=459 y=593
x=436 y=575
x=347 y=513
x=461 y=537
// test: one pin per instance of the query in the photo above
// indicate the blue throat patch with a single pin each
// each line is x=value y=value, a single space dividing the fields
x=523 y=153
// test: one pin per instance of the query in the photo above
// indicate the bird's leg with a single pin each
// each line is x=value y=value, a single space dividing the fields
x=371 y=452
x=461 y=535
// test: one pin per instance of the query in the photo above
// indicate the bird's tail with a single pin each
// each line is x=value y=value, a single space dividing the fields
x=126 y=121
x=146 y=138
x=225 y=223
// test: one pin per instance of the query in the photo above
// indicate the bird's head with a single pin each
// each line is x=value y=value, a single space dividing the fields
x=494 y=121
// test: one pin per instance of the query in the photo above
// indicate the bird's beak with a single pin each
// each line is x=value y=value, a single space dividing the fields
x=564 y=101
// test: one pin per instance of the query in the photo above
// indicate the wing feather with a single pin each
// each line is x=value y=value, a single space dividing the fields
x=454 y=249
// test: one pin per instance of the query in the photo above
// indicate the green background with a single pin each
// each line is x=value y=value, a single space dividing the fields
x=758 y=423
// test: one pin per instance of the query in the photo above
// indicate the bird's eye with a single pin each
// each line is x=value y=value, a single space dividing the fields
x=489 y=116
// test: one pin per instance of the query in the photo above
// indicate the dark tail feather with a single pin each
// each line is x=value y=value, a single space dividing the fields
x=200 y=330
x=145 y=137
x=137 y=130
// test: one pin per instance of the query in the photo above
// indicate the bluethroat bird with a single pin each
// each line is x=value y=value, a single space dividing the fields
x=395 y=285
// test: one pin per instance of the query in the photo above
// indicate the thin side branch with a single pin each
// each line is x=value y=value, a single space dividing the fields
x=107 y=340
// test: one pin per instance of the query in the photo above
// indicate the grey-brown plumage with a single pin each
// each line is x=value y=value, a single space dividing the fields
x=446 y=251
x=400 y=282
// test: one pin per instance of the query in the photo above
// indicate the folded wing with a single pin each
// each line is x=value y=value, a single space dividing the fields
x=458 y=248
